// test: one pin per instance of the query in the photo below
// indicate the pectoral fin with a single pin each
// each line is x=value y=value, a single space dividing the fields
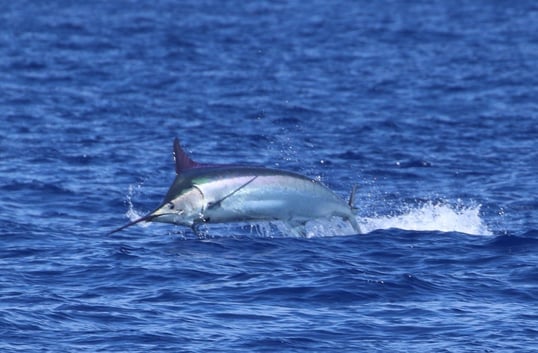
x=215 y=204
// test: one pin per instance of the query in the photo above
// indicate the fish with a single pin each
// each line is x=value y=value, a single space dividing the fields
x=207 y=194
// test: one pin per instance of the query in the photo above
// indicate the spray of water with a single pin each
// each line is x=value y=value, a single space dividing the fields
x=132 y=213
x=428 y=216
x=431 y=216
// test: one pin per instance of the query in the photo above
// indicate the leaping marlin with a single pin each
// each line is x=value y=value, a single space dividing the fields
x=229 y=193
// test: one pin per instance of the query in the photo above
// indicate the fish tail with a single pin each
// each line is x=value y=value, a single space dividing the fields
x=351 y=201
x=353 y=222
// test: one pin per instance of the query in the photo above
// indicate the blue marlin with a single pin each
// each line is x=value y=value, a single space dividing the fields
x=234 y=193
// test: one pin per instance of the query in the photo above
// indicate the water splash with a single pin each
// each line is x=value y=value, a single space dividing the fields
x=431 y=216
x=427 y=216
x=132 y=213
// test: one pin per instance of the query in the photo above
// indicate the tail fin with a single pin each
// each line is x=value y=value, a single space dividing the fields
x=351 y=201
x=354 y=224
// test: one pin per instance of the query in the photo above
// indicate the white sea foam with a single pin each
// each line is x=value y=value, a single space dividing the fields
x=431 y=216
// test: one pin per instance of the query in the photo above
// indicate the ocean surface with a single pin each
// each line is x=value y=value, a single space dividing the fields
x=429 y=107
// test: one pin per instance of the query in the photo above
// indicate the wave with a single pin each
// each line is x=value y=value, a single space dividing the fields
x=428 y=216
x=431 y=216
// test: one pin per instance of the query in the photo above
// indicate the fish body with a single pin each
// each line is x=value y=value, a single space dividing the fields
x=228 y=194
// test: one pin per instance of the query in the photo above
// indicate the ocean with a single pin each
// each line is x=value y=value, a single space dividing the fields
x=428 y=107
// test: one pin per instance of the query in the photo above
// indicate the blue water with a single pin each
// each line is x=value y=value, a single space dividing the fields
x=430 y=107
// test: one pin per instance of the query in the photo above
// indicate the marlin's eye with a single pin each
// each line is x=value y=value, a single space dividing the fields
x=171 y=205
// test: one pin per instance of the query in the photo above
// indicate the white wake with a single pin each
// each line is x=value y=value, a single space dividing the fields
x=431 y=216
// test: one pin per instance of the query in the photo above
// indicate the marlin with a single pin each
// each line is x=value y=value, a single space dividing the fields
x=204 y=193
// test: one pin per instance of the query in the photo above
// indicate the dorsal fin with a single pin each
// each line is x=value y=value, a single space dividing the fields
x=183 y=161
